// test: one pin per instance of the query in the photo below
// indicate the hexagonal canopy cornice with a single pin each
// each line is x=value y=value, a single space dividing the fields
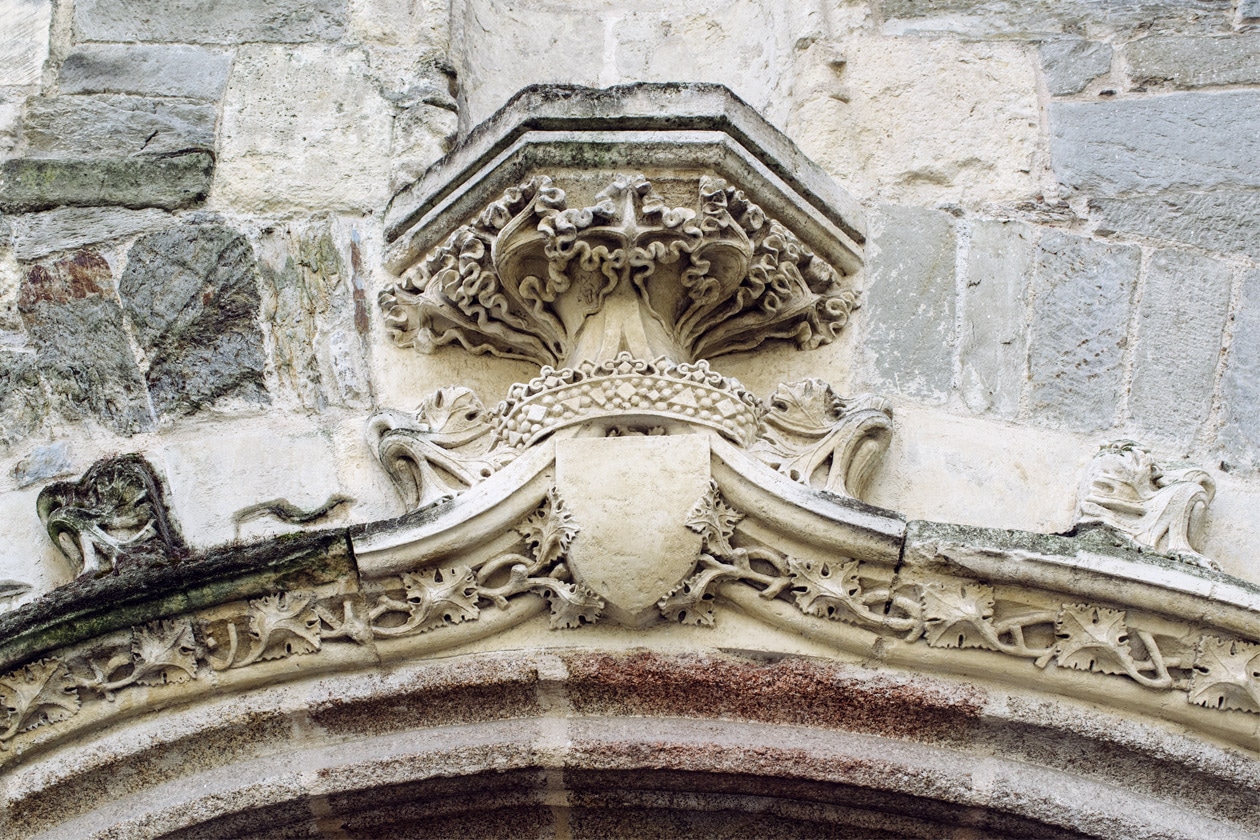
x=660 y=220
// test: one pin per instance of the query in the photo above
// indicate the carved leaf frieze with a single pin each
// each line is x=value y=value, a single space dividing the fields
x=958 y=615
x=435 y=597
x=443 y=596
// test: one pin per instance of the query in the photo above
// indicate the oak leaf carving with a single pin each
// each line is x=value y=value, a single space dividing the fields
x=957 y=615
x=437 y=597
x=1226 y=675
x=38 y=694
x=1092 y=639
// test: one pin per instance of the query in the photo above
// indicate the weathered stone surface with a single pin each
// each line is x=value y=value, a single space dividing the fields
x=45 y=462
x=309 y=303
x=1084 y=295
x=112 y=125
x=910 y=300
x=497 y=48
x=1240 y=385
x=1180 y=321
x=1157 y=143
x=303 y=126
x=1249 y=9
x=192 y=296
x=23 y=40
x=82 y=348
x=170 y=182
x=1221 y=220
x=993 y=347
x=965 y=130
x=10 y=284
x=987 y=18
x=427 y=118
x=39 y=234
x=1190 y=61
x=223 y=22
x=23 y=397
x=1072 y=63
x=10 y=121
x=145 y=69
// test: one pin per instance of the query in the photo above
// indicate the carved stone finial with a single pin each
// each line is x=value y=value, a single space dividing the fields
x=442 y=449
x=1160 y=507
x=812 y=435
x=532 y=278
x=115 y=511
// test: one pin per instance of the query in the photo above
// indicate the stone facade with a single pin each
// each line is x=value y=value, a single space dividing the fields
x=990 y=264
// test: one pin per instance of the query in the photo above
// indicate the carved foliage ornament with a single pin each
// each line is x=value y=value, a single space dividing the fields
x=532 y=278
x=1158 y=507
x=805 y=430
x=115 y=511
x=935 y=610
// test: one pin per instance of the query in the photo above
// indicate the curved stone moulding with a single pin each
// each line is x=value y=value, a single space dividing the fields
x=1073 y=617
x=823 y=747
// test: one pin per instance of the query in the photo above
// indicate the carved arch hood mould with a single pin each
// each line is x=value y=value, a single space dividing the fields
x=623 y=240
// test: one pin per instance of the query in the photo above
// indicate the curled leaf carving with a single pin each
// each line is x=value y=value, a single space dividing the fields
x=532 y=278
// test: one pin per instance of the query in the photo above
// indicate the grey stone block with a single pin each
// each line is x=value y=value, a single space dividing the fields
x=993 y=346
x=1249 y=9
x=1084 y=297
x=1190 y=140
x=114 y=126
x=23 y=397
x=1190 y=61
x=220 y=22
x=1220 y=220
x=910 y=301
x=82 y=349
x=169 y=182
x=45 y=462
x=145 y=69
x=1072 y=63
x=1039 y=18
x=1180 y=322
x=1240 y=385
x=192 y=296
x=36 y=235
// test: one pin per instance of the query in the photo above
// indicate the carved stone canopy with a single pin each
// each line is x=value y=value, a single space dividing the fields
x=658 y=220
